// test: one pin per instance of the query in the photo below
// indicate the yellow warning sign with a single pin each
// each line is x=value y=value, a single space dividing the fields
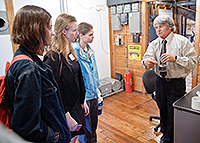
x=134 y=52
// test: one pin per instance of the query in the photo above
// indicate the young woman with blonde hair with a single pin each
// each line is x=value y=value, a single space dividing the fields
x=67 y=72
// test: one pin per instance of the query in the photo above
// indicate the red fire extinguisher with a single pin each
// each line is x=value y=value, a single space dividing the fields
x=128 y=81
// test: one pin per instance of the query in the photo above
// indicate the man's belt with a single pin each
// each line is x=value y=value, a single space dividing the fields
x=169 y=79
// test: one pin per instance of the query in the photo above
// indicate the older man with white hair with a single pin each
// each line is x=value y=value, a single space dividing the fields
x=172 y=57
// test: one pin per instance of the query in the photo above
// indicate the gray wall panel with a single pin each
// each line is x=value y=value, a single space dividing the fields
x=115 y=2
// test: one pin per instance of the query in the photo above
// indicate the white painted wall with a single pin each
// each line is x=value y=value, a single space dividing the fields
x=83 y=10
x=5 y=45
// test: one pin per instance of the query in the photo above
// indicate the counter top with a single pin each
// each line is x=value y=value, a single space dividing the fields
x=184 y=103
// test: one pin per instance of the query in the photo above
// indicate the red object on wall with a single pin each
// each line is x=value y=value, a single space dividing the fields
x=128 y=81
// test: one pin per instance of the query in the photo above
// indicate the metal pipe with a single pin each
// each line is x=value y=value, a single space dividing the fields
x=126 y=49
x=178 y=4
x=63 y=6
x=60 y=6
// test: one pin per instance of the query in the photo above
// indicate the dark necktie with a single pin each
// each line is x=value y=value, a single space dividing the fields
x=163 y=66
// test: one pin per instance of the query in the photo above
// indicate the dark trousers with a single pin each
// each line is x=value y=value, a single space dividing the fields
x=91 y=121
x=167 y=92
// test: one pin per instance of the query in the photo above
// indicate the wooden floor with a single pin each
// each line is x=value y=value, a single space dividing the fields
x=125 y=119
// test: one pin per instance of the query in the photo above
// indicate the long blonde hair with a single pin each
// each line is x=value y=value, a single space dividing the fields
x=60 y=44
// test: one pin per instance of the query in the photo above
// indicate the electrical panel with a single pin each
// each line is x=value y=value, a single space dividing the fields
x=116 y=2
x=118 y=40
x=113 y=10
x=127 y=8
x=116 y=22
x=120 y=9
x=124 y=18
x=136 y=38
x=135 y=7
x=134 y=22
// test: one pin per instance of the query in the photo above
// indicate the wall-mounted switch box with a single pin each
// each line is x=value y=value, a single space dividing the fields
x=127 y=8
x=113 y=10
x=120 y=9
x=124 y=18
x=135 y=7
x=136 y=38
x=118 y=40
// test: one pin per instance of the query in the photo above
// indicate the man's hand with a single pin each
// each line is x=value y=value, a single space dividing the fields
x=150 y=62
x=167 y=57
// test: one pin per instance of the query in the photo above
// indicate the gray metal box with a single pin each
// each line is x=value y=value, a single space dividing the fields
x=116 y=22
x=135 y=22
x=105 y=87
x=115 y=2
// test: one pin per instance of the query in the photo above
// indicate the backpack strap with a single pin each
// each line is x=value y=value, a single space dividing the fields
x=20 y=57
x=60 y=61
x=17 y=58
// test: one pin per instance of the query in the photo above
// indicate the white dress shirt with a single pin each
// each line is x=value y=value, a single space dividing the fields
x=179 y=46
